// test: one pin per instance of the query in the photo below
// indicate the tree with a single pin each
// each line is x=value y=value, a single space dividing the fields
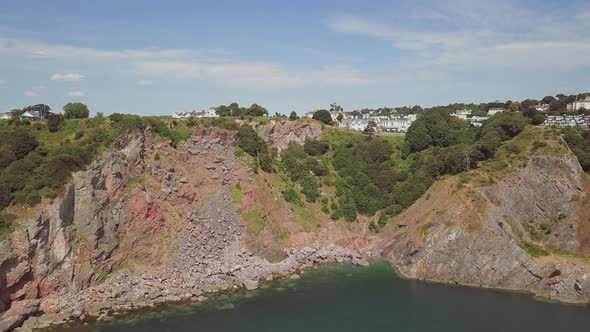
x=315 y=147
x=99 y=115
x=256 y=110
x=548 y=99
x=223 y=110
x=371 y=127
x=76 y=111
x=293 y=116
x=418 y=137
x=323 y=116
x=54 y=121
x=538 y=119
x=340 y=117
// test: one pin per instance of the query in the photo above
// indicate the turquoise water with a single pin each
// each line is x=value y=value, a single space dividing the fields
x=348 y=298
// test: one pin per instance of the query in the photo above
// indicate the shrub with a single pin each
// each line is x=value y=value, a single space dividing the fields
x=291 y=196
x=316 y=147
x=323 y=116
x=54 y=122
x=33 y=198
x=310 y=188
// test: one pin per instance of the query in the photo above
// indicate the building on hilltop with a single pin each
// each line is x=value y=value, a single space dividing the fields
x=462 y=114
x=494 y=111
x=28 y=116
x=209 y=113
x=579 y=104
x=542 y=107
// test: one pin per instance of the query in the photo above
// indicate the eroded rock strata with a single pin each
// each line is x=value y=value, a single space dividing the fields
x=134 y=231
x=148 y=224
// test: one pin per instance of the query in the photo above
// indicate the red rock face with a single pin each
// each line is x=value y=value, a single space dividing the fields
x=144 y=211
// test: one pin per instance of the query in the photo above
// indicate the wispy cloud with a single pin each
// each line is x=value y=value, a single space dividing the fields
x=31 y=93
x=69 y=77
x=185 y=65
x=476 y=32
x=76 y=93
x=2 y=82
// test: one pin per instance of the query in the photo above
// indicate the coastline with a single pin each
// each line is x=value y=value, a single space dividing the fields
x=105 y=301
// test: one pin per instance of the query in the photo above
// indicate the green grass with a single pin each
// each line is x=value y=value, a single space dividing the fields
x=236 y=194
x=533 y=249
x=254 y=223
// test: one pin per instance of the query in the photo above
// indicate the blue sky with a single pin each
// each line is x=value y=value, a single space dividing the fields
x=158 y=57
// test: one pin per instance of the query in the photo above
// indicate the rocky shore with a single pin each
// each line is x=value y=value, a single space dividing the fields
x=170 y=209
x=124 y=293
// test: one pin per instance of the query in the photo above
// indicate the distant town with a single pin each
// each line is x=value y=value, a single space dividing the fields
x=560 y=111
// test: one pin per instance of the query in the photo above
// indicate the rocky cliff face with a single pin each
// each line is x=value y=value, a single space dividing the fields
x=72 y=241
x=145 y=224
x=281 y=133
x=488 y=234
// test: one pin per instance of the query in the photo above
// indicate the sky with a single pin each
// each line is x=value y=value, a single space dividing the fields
x=152 y=57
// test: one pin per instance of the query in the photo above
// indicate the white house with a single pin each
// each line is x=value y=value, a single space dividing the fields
x=494 y=111
x=462 y=114
x=27 y=115
x=579 y=104
x=181 y=115
x=477 y=121
x=209 y=113
x=5 y=116
x=542 y=107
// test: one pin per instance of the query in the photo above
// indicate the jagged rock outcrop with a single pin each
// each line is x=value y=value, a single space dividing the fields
x=145 y=224
x=486 y=235
x=64 y=248
x=281 y=133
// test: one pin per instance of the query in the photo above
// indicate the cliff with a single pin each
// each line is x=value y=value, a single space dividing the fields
x=146 y=224
x=524 y=227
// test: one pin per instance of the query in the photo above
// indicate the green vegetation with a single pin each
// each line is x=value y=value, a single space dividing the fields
x=533 y=249
x=579 y=142
x=37 y=159
x=365 y=174
x=76 y=111
x=236 y=111
x=323 y=116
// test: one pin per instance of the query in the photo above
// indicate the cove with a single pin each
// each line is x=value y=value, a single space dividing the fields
x=351 y=298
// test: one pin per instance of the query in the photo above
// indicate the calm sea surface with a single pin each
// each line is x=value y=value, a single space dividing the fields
x=349 y=298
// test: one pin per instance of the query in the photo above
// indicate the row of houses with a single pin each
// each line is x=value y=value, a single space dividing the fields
x=208 y=113
x=391 y=123
x=568 y=121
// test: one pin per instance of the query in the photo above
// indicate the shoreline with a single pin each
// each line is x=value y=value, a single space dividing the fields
x=124 y=310
x=105 y=301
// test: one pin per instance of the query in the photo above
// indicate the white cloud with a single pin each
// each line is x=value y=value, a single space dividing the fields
x=69 y=77
x=3 y=82
x=145 y=82
x=76 y=93
x=489 y=34
x=31 y=93
x=183 y=65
